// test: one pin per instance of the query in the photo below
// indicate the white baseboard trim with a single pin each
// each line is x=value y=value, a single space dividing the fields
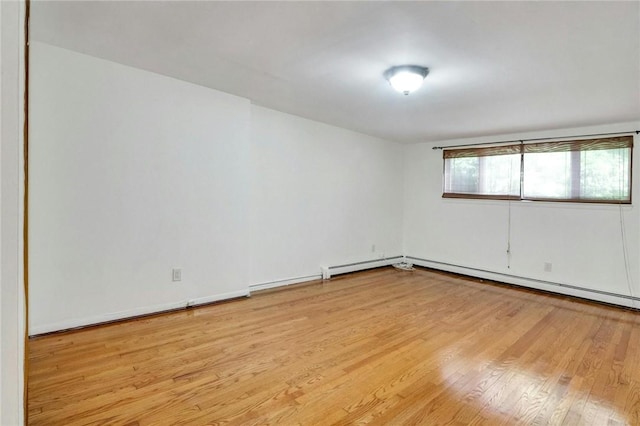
x=552 y=287
x=218 y=297
x=329 y=271
x=102 y=318
x=283 y=282
x=131 y=313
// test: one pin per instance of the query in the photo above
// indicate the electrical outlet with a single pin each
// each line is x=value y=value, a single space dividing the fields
x=373 y=248
x=176 y=274
x=548 y=266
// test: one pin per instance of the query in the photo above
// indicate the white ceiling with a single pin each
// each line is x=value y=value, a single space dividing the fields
x=496 y=67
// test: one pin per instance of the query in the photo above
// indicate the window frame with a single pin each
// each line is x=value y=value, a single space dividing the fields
x=573 y=146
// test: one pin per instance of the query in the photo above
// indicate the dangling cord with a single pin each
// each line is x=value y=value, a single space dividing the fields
x=509 y=238
x=623 y=233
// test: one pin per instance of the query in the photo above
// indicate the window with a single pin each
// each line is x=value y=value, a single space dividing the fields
x=590 y=170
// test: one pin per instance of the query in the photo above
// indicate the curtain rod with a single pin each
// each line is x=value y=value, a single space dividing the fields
x=538 y=139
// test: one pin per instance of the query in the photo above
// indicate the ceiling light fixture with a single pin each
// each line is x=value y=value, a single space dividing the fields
x=406 y=78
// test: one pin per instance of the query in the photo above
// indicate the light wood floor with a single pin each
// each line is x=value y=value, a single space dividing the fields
x=382 y=346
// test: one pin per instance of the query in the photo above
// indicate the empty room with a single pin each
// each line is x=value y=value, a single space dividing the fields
x=320 y=213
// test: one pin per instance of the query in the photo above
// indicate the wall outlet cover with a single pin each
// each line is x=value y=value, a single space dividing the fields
x=176 y=274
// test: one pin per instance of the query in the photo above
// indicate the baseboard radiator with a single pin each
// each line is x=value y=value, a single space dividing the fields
x=283 y=282
x=329 y=271
x=627 y=300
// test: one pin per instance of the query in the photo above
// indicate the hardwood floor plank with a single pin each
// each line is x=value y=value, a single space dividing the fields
x=377 y=347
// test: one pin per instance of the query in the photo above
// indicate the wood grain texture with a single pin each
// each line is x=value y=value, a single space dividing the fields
x=381 y=347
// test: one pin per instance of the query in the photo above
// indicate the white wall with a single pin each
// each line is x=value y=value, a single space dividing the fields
x=131 y=174
x=321 y=196
x=12 y=302
x=582 y=241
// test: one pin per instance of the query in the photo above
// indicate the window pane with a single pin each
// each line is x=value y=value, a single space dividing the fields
x=604 y=174
x=547 y=175
x=495 y=175
x=462 y=175
x=578 y=175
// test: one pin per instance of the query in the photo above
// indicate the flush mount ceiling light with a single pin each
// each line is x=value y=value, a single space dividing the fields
x=406 y=78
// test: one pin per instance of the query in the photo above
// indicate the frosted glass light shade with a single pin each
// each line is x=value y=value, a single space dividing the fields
x=407 y=78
